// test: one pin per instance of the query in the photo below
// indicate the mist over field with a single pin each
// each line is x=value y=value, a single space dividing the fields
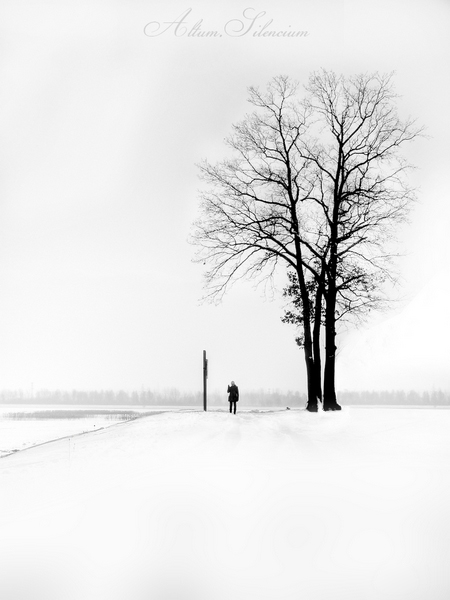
x=175 y=397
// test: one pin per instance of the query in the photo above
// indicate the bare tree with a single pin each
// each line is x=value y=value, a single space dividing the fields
x=316 y=186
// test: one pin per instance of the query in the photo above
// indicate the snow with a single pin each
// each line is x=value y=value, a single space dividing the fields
x=32 y=428
x=277 y=505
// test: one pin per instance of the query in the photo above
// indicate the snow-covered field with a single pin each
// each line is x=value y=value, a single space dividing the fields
x=25 y=425
x=279 y=505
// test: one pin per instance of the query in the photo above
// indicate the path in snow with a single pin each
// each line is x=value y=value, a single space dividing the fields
x=276 y=505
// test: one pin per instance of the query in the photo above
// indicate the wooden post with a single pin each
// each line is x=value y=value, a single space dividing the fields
x=205 y=377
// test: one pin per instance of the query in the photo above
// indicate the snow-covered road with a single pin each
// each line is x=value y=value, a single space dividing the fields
x=277 y=505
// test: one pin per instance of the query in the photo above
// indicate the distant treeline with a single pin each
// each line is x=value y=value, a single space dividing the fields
x=174 y=397
x=170 y=397
x=411 y=398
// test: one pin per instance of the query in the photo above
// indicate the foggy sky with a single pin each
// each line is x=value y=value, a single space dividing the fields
x=101 y=128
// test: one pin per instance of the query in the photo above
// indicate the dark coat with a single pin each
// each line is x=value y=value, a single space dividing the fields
x=233 y=393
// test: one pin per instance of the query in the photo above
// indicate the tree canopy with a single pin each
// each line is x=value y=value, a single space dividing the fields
x=315 y=184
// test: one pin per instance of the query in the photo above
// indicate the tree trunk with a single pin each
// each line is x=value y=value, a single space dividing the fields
x=316 y=342
x=329 y=387
x=311 y=405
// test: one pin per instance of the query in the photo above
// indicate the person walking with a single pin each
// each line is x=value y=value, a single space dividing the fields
x=233 y=395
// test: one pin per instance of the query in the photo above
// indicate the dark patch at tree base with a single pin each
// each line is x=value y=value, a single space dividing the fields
x=334 y=406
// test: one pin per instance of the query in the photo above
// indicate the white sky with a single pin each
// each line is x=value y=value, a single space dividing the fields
x=101 y=127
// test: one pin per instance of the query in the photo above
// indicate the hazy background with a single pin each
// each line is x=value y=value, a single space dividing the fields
x=101 y=127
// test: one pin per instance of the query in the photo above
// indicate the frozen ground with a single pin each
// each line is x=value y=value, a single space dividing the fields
x=281 y=505
x=25 y=425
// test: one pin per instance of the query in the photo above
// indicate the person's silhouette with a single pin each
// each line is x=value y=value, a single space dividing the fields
x=233 y=395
